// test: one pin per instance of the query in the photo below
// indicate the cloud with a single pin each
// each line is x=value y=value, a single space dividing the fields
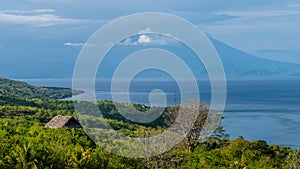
x=28 y=11
x=144 y=39
x=260 y=13
x=39 y=17
x=134 y=41
x=251 y=30
x=79 y=44
x=44 y=10
x=152 y=40
x=73 y=44
x=128 y=42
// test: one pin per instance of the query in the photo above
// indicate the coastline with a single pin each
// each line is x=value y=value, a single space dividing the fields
x=257 y=109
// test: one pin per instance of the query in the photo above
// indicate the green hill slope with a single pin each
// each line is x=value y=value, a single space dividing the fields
x=17 y=89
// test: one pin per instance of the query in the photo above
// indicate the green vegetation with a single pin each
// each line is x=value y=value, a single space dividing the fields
x=26 y=143
x=17 y=89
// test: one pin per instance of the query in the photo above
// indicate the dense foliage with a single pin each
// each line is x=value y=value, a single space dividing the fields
x=29 y=145
x=26 y=143
x=17 y=89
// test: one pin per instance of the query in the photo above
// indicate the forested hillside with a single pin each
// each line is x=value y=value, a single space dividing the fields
x=17 y=89
x=26 y=143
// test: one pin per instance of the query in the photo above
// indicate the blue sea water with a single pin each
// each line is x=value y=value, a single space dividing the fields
x=255 y=109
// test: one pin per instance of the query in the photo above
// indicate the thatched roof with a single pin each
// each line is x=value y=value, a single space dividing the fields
x=63 y=121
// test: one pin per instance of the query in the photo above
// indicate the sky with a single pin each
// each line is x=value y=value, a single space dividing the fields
x=49 y=32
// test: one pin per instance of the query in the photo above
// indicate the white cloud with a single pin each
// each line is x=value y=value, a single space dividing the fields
x=144 y=39
x=37 y=17
x=15 y=11
x=73 y=44
x=152 y=40
x=28 y=11
x=44 y=10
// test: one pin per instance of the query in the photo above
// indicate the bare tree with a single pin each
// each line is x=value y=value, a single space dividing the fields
x=205 y=122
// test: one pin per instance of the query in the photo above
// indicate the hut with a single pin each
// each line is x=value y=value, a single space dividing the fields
x=63 y=122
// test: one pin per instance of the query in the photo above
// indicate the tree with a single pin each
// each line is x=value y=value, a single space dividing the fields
x=205 y=123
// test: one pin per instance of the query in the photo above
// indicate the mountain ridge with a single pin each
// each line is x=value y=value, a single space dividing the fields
x=239 y=63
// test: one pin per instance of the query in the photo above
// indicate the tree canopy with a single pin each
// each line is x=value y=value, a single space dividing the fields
x=26 y=143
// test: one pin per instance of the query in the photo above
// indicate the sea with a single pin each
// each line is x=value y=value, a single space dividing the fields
x=257 y=109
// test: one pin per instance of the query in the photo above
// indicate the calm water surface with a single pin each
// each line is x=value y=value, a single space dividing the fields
x=255 y=109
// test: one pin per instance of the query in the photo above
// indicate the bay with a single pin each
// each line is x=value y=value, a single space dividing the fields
x=255 y=109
